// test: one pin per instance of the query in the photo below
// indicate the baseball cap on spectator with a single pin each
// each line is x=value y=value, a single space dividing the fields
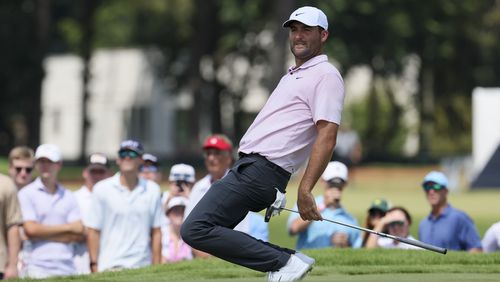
x=48 y=151
x=335 y=174
x=150 y=158
x=309 y=16
x=182 y=172
x=178 y=201
x=436 y=177
x=97 y=160
x=379 y=205
x=218 y=142
x=132 y=145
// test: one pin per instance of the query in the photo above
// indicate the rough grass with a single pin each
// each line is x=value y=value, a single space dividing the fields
x=331 y=265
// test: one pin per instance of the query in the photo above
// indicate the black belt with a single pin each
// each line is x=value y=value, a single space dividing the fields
x=270 y=164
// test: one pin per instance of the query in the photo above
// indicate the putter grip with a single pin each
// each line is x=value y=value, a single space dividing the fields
x=269 y=213
x=423 y=245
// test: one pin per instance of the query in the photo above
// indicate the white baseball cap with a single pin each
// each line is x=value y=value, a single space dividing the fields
x=336 y=170
x=178 y=201
x=48 y=151
x=310 y=16
x=182 y=172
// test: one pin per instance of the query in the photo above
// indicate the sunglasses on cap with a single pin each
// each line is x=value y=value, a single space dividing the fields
x=128 y=153
x=28 y=169
x=432 y=186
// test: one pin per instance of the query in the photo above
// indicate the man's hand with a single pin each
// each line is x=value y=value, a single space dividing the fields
x=279 y=203
x=307 y=206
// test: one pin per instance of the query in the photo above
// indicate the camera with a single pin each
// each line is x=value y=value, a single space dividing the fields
x=181 y=184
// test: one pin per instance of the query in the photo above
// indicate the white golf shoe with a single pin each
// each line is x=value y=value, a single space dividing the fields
x=294 y=270
x=304 y=258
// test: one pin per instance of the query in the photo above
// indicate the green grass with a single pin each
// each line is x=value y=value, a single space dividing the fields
x=331 y=265
x=401 y=186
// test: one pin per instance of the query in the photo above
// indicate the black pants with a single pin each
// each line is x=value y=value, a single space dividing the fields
x=249 y=186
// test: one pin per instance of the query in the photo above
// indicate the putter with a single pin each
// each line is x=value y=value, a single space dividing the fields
x=422 y=245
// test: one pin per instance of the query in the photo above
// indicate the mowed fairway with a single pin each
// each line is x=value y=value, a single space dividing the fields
x=401 y=186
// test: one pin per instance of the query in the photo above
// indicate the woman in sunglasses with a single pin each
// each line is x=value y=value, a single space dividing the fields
x=396 y=222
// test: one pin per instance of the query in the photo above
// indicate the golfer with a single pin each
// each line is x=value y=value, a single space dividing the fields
x=299 y=121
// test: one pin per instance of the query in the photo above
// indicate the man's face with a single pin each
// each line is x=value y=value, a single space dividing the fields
x=306 y=41
x=151 y=172
x=217 y=161
x=48 y=168
x=94 y=173
x=436 y=195
x=20 y=171
x=332 y=195
x=128 y=161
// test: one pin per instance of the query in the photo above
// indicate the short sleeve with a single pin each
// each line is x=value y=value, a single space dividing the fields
x=27 y=208
x=491 y=240
x=469 y=235
x=328 y=100
x=96 y=211
x=12 y=209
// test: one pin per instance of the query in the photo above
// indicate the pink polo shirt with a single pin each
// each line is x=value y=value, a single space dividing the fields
x=285 y=129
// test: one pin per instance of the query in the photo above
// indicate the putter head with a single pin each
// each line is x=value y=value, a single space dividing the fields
x=269 y=213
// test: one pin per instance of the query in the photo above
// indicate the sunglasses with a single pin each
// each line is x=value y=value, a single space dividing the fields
x=432 y=186
x=397 y=223
x=149 y=168
x=127 y=153
x=28 y=169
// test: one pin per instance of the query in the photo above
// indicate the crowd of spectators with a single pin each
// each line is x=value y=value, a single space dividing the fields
x=123 y=220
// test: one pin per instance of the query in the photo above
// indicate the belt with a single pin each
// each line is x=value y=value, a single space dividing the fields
x=270 y=164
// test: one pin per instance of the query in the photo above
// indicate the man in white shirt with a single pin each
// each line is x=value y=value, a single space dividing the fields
x=96 y=170
x=125 y=214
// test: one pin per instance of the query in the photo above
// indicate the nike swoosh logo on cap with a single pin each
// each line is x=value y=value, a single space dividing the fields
x=298 y=14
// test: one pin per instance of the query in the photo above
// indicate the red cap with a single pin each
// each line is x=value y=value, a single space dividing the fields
x=218 y=142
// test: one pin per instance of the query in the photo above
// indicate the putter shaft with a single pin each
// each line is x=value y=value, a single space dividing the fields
x=400 y=239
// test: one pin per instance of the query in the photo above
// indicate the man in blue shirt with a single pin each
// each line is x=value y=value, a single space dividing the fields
x=323 y=234
x=446 y=226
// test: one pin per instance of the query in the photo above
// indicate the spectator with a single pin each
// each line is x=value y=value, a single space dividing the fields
x=322 y=234
x=21 y=163
x=10 y=219
x=180 y=182
x=51 y=219
x=376 y=212
x=446 y=226
x=124 y=219
x=96 y=170
x=218 y=153
x=491 y=240
x=150 y=168
x=396 y=222
x=173 y=247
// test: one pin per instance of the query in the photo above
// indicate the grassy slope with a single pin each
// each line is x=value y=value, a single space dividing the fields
x=332 y=265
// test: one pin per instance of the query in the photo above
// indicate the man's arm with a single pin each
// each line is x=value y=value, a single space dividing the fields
x=298 y=226
x=13 y=246
x=318 y=160
x=156 y=245
x=35 y=230
x=93 y=238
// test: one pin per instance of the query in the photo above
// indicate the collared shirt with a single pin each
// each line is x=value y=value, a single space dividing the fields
x=285 y=129
x=10 y=214
x=125 y=219
x=81 y=259
x=491 y=240
x=199 y=190
x=453 y=229
x=43 y=207
x=318 y=234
